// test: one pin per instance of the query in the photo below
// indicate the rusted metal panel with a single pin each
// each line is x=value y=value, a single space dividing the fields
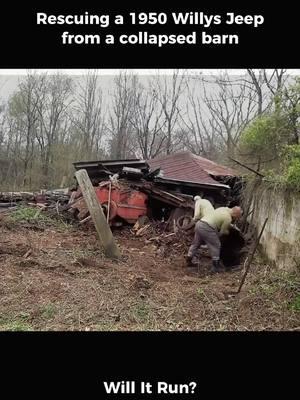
x=102 y=169
x=126 y=203
x=188 y=167
x=180 y=167
x=116 y=201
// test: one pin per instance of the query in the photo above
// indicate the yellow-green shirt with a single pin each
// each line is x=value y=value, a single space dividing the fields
x=202 y=208
x=220 y=219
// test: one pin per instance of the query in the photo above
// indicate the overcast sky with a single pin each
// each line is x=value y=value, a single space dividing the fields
x=9 y=78
x=137 y=71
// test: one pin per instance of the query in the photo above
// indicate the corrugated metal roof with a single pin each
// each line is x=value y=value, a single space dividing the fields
x=186 y=166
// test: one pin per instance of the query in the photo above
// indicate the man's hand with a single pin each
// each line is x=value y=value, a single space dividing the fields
x=235 y=227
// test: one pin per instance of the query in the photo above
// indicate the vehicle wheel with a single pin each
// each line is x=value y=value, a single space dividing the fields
x=185 y=222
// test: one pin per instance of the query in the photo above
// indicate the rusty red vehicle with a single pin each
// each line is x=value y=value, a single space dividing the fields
x=125 y=203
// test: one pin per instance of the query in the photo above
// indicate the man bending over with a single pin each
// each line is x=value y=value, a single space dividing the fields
x=208 y=230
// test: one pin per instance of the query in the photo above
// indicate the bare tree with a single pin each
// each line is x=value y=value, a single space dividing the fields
x=23 y=113
x=263 y=84
x=291 y=106
x=53 y=101
x=229 y=108
x=88 y=115
x=119 y=125
x=2 y=124
x=266 y=86
x=255 y=83
x=199 y=138
x=148 y=122
x=4 y=158
x=169 y=94
x=275 y=81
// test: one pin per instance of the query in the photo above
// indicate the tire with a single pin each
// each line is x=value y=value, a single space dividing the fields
x=180 y=223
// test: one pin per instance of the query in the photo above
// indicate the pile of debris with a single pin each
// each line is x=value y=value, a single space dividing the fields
x=154 y=197
x=178 y=242
x=181 y=173
x=124 y=201
x=163 y=189
x=42 y=199
x=156 y=236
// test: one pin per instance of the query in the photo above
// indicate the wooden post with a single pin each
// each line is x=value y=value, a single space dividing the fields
x=107 y=240
x=108 y=208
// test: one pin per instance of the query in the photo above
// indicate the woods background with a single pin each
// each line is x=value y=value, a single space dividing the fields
x=50 y=121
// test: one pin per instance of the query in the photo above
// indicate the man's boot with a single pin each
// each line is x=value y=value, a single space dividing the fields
x=216 y=267
x=234 y=268
x=189 y=261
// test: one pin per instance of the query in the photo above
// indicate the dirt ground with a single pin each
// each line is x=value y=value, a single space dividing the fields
x=56 y=278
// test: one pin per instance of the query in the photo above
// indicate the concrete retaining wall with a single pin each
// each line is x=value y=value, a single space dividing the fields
x=281 y=238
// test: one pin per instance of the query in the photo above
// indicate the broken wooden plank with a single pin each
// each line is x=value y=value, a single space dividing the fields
x=108 y=205
x=170 y=234
x=39 y=205
x=142 y=230
x=106 y=237
x=84 y=220
x=7 y=204
x=27 y=254
x=140 y=222
x=72 y=198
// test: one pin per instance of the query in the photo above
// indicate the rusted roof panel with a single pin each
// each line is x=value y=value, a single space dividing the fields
x=186 y=166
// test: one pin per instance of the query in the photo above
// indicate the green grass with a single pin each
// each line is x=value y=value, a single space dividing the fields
x=277 y=281
x=220 y=328
x=48 y=311
x=16 y=326
x=34 y=215
x=28 y=214
x=105 y=326
x=200 y=292
x=141 y=312
x=267 y=289
x=15 y=323
x=295 y=304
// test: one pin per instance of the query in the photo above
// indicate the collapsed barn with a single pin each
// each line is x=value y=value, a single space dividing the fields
x=162 y=188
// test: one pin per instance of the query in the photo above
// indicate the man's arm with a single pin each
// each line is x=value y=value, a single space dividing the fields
x=197 y=211
x=225 y=227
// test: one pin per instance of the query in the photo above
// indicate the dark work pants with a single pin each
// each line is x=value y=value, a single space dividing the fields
x=207 y=234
